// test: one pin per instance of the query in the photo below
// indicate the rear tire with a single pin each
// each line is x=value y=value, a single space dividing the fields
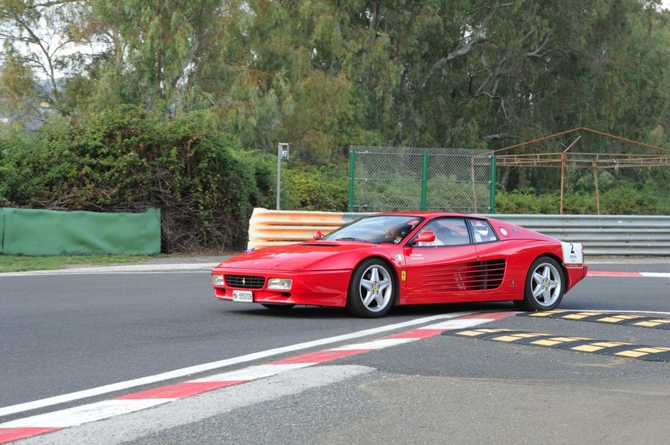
x=545 y=286
x=371 y=289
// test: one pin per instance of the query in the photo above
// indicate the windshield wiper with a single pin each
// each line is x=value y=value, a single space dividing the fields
x=351 y=238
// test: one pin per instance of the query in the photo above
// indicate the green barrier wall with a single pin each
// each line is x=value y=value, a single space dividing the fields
x=49 y=232
x=2 y=228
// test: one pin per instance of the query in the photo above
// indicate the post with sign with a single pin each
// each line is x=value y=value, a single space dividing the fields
x=282 y=153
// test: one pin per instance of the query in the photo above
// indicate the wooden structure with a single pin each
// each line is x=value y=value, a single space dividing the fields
x=570 y=158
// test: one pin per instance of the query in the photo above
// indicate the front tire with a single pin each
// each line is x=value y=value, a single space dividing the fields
x=545 y=286
x=371 y=289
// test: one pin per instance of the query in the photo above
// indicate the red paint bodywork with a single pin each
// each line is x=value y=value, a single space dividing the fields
x=321 y=270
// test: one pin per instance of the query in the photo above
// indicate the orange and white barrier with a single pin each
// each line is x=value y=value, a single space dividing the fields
x=269 y=228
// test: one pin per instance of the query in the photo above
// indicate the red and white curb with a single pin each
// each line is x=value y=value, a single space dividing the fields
x=55 y=421
x=600 y=273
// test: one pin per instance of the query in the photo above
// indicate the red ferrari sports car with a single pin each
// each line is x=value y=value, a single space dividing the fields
x=402 y=258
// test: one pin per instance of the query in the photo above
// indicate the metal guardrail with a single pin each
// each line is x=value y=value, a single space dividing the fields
x=600 y=234
x=603 y=234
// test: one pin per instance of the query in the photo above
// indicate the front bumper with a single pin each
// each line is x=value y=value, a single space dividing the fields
x=319 y=288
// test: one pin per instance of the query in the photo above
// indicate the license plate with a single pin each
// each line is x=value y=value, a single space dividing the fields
x=244 y=296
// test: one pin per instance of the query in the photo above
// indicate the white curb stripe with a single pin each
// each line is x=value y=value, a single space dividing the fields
x=375 y=344
x=252 y=373
x=655 y=274
x=85 y=413
x=461 y=323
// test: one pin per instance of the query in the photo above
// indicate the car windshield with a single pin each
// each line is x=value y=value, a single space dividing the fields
x=376 y=229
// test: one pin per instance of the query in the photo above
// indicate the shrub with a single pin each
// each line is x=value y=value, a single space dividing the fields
x=125 y=160
x=321 y=189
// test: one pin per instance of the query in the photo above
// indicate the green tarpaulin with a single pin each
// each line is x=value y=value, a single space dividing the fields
x=49 y=232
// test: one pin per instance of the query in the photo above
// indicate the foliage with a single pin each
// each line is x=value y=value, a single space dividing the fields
x=324 y=189
x=128 y=160
x=523 y=201
x=622 y=199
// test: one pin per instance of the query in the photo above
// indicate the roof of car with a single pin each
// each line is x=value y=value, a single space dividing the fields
x=427 y=214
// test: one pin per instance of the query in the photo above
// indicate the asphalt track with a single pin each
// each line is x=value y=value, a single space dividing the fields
x=414 y=386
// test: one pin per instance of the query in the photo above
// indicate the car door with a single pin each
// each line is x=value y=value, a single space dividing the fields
x=442 y=271
x=493 y=264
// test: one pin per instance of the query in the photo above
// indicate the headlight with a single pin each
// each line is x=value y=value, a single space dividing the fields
x=217 y=280
x=280 y=283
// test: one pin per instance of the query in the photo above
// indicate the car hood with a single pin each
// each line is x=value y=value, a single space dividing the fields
x=318 y=255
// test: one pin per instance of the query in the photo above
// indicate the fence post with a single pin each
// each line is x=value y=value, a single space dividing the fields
x=352 y=169
x=492 y=188
x=424 y=182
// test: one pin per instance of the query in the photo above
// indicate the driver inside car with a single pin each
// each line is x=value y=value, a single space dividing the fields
x=397 y=233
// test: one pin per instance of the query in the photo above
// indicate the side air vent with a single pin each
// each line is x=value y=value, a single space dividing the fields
x=493 y=273
x=472 y=276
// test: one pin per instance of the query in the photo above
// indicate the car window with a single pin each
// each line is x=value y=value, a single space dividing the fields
x=482 y=231
x=376 y=229
x=448 y=232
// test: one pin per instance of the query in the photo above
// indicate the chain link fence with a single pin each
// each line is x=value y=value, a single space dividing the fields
x=411 y=178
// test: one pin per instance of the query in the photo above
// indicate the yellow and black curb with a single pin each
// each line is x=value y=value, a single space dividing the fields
x=581 y=344
x=643 y=321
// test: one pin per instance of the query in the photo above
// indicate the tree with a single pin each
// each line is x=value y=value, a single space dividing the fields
x=323 y=74
x=35 y=51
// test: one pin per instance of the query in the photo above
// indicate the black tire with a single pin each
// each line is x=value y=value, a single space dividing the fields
x=372 y=289
x=278 y=307
x=545 y=286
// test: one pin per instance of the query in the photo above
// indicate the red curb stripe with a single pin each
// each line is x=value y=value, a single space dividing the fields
x=180 y=390
x=604 y=273
x=418 y=333
x=320 y=357
x=487 y=316
x=10 y=434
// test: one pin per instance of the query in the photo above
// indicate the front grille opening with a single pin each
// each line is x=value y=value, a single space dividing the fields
x=244 y=281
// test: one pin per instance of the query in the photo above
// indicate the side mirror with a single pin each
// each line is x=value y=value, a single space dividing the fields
x=318 y=235
x=425 y=237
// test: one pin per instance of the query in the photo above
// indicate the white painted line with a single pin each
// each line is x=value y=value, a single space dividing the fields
x=179 y=373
